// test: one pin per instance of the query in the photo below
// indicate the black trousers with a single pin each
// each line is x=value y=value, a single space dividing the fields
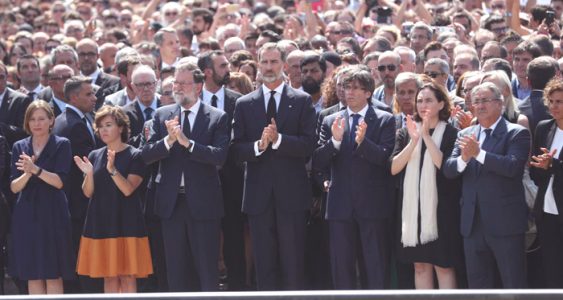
x=550 y=231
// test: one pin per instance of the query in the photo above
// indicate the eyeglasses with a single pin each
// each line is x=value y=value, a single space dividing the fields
x=59 y=78
x=183 y=84
x=171 y=13
x=167 y=93
x=59 y=10
x=145 y=85
x=87 y=54
x=433 y=74
x=476 y=102
x=499 y=30
x=342 y=32
x=391 y=68
x=498 y=6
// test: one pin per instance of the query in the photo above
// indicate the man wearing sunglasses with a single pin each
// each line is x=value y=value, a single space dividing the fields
x=438 y=69
x=389 y=66
x=54 y=93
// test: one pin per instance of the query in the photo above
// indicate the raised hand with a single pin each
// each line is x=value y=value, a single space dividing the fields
x=264 y=140
x=425 y=128
x=464 y=119
x=272 y=131
x=469 y=147
x=171 y=125
x=338 y=128
x=110 y=166
x=26 y=164
x=361 y=132
x=181 y=137
x=84 y=164
x=543 y=161
x=414 y=134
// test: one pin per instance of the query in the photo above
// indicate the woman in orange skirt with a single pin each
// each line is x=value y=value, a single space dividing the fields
x=114 y=244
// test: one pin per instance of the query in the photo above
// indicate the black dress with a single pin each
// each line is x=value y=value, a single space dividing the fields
x=114 y=241
x=447 y=250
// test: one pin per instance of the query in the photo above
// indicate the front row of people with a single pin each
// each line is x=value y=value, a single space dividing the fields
x=448 y=183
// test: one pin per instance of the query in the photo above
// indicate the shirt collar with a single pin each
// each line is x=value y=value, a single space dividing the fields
x=194 y=109
x=94 y=75
x=38 y=89
x=362 y=112
x=278 y=89
x=207 y=94
x=142 y=106
x=492 y=126
x=76 y=110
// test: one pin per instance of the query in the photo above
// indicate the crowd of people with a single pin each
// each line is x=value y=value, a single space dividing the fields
x=154 y=146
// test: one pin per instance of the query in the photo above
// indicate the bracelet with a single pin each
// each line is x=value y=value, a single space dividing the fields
x=38 y=172
x=113 y=173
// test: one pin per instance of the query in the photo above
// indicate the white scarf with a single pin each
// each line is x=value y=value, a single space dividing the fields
x=426 y=186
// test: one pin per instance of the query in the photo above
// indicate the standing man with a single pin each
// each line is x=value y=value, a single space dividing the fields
x=389 y=66
x=540 y=71
x=491 y=157
x=126 y=95
x=30 y=75
x=54 y=93
x=274 y=134
x=169 y=45
x=189 y=140
x=356 y=144
x=215 y=66
x=313 y=69
x=75 y=126
x=88 y=57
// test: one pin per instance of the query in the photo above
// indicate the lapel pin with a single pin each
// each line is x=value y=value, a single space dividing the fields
x=290 y=106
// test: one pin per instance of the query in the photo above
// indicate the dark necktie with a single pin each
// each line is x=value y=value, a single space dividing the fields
x=214 y=101
x=87 y=122
x=31 y=95
x=487 y=141
x=355 y=122
x=148 y=113
x=186 y=127
x=271 y=112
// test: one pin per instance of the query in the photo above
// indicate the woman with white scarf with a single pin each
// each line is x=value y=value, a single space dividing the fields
x=429 y=217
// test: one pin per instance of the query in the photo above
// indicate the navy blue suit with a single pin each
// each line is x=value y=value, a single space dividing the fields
x=360 y=195
x=277 y=191
x=190 y=220
x=493 y=207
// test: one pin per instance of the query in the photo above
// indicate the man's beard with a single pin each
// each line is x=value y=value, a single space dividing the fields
x=220 y=81
x=183 y=99
x=271 y=78
x=310 y=86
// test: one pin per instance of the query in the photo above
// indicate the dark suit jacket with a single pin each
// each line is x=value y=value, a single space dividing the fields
x=47 y=95
x=12 y=113
x=136 y=121
x=360 y=181
x=280 y=172
x=495 y=188
x=107 y=83
x=534 y=109
x=118 y=98
x=203 y=189
x=70 y=125
x=4 y=208
x=545 y=132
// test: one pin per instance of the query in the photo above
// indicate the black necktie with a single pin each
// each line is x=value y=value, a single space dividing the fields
x=214 y=101
x=487 y=141
x=31 y=95
x=271 y=112
x=148 y=113
x=186 y=127
x=355 y=122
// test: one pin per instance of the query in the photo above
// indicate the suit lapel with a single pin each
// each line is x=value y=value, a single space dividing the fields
x=285 y=107
x=5 y=106
x=370 y=120
x=139 y=112
x=346 y=138
x=201 y=119
x=551 y=135
x=498 y=134
x=229 y=103
x=259 y=107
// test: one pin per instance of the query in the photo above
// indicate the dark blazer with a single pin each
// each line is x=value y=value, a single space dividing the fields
x=496 y=186
x=357 y=174
x=534 y=109
x=12 y=113
x=545 y=132
x=118 y=98
x=4 y=208
x=203 y=190
x=108 y=84
x=282 y=171
x=47 y=95
x=71 y=126
x=136 y=121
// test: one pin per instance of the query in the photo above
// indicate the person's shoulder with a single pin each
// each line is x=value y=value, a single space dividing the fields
x=213 y=111
x=232 y=94
x=15 y=94
x=244 y=99
x=295 y=92
x=22 y=142
x=331 y=117
x=61 y=140
x=545 y=124
x=380 y=113
x=167 y=109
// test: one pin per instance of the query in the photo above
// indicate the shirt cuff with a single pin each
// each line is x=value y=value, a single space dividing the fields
x=257 y=151
x=481 y=156
x=336 y=143
x=277 y=144
x=461 y=165
x=166 y=143
x=191 y=148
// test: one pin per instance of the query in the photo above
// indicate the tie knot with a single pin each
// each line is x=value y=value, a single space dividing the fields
x=356 y=117
x=187 y=112
x=148 y=110
x=272 y=93
x=488 y=132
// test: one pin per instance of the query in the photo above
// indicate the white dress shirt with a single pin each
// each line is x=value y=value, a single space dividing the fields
x=549 y=199
x=207 y=95
x=277 y=97
x=82 y=117
x=143 y=107
x=362 y=114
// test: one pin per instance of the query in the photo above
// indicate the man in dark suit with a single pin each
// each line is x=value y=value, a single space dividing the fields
x=190 y=141
x=88 y=56
x=540 y=71
x=54 y=93
x=274 y=133
x=491 y=157
x=143 y=108
x=73 y=125
x=126 y=95
x=12 y=110
x=356 y=144
x=215 y=66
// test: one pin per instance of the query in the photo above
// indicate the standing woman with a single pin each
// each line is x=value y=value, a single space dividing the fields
x=429 y=227
x=547 y=172
x=41 y=247
x=114 y=244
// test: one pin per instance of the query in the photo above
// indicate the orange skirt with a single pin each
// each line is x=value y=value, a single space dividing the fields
x=112 y=257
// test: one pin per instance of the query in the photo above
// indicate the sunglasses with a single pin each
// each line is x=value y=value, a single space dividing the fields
x=391 y=68
x=342 y=32
x=433 y=74
x=170 y=13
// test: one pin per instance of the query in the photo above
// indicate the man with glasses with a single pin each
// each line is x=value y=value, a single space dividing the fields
x=54 y=93
x=125 y=69
x=144 y=82
x=497 y=25
x=190 y=141
x=439 y=70
x=490 y=157
x=389 y=66
x=88 y=63
x=335 y=31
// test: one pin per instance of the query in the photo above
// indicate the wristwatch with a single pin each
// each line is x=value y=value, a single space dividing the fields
x=113 y=173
